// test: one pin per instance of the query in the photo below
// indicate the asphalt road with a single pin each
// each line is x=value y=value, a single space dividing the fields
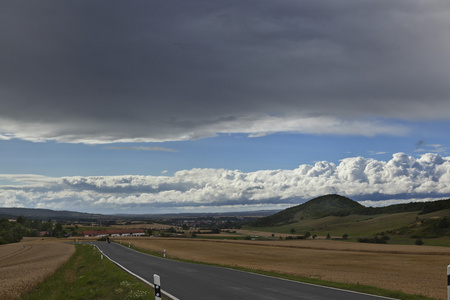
x=188 y=281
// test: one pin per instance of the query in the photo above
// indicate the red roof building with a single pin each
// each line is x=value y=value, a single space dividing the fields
x=121 y=232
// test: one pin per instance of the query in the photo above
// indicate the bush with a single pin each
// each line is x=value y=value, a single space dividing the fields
x=215 y=229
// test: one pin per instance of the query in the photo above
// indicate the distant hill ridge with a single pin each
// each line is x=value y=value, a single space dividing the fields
x=44 y=214
x=323 y=206
x=336 y=205
x=64 y=215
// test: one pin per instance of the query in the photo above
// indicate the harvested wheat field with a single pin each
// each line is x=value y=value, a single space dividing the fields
x=25 y=264
x=411 y=269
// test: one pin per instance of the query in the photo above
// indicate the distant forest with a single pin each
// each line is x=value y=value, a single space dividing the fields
x=14 y=231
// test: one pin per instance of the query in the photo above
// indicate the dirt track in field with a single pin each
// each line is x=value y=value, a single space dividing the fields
x=411 y=269
x=25 y=264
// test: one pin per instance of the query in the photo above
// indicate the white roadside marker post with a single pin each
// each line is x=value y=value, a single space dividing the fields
x=157 y=282
x=448 y=282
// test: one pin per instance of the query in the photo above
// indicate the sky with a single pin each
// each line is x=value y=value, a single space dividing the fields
x=211 y=106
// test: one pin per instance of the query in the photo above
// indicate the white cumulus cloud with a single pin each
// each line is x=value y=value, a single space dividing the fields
x=401 y=179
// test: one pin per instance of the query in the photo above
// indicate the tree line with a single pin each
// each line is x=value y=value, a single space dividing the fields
x=14 y=231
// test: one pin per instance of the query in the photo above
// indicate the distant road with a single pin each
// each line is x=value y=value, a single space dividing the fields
x=187 y=281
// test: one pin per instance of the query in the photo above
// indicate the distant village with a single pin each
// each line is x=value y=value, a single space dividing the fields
x=113 y=233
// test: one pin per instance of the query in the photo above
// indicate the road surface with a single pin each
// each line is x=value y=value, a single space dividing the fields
x=188 y=281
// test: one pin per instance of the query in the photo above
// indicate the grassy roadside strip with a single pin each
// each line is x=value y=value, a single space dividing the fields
x=86 y=276
x=345 y=286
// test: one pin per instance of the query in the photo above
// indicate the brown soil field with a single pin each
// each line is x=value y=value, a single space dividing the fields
x=410 y=269
x=23 y=265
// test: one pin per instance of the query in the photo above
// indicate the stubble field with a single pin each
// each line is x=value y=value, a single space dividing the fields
x=25 y=264
x=410 y=269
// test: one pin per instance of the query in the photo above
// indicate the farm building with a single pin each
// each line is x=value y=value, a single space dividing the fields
x=112 y=233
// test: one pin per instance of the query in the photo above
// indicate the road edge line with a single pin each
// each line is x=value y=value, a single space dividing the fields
x=167 y=294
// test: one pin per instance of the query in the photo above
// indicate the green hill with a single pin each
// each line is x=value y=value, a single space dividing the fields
x=336 y=205
x=337 y=215
x=328 y=205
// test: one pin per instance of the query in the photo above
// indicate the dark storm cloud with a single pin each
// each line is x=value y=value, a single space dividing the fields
x=103 y=71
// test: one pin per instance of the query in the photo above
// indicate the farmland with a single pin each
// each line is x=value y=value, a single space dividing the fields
x=313 y=242
x=29 y=262
x=410 y=269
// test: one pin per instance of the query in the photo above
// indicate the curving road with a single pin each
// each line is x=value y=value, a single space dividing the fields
x=188 y=281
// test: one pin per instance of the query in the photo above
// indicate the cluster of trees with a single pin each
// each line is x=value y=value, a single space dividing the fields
x=434 y=228
x=426 y=228
x=379 y=238
x=14 y=231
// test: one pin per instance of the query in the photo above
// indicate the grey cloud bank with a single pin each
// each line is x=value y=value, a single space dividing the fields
x=146 y=71
x=373 y=182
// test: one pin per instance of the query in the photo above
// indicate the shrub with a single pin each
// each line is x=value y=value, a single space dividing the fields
x=374 y=239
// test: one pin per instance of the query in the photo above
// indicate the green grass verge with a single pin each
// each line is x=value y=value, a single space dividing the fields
x=86 y=276
x=345 y=286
